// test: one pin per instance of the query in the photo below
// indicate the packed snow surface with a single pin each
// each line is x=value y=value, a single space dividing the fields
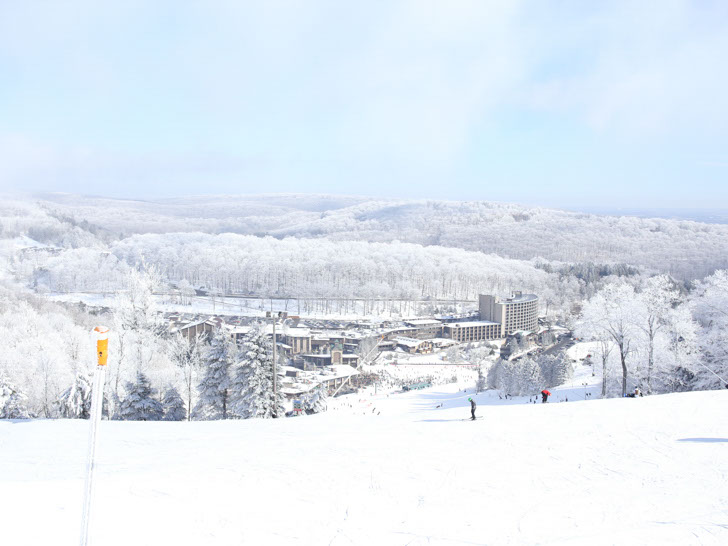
x=384 y=469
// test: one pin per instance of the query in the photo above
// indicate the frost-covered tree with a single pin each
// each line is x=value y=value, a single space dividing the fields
x=656 y=299
x=367 y=349
x=612 y=312
x=13 y=403
x=653 y=326
x=555 y=370
x=681 y=366
x=214 y=388
x=253 y=382
x=75 y=401
x=480 y=383
x=515 y=377
x=139 y=331
x=710 y=309
x=528 y=379
x=186 y=354
x=174 y=406
x=140 y=403
x=186 y=291
x=316 y=401
x=453 y=354
x=604 y=350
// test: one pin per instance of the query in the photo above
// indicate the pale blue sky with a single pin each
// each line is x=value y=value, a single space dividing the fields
x=573 y=104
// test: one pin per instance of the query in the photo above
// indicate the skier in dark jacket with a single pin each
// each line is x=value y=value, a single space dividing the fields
x=472 y=408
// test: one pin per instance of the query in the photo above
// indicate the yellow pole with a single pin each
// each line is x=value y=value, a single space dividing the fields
x=97 y=402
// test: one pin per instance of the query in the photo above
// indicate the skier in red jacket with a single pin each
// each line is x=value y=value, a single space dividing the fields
x=545 y=396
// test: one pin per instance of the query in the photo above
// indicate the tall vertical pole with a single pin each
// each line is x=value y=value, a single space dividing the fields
x=97 y=402
x=275 y=370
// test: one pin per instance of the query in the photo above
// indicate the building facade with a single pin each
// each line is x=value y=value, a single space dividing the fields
x=517 y=313
x=473 y=331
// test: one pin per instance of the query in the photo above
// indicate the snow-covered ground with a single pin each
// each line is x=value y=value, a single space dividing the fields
x=384 y=469
x=252 y=306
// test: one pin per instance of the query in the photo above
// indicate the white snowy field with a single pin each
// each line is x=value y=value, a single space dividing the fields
x=236 y=306
x=385 y=469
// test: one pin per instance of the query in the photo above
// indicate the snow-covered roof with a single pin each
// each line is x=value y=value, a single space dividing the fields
x=442 y=341
x=296 y=332
x=409 y=342
x=340 y=370
x=519 y=298
x=423 y=322
x=299 y=388
x=239 y=329
x=470 y=324
x=193 y=324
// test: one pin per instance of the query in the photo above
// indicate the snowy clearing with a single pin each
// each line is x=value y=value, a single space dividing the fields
x=384 y=469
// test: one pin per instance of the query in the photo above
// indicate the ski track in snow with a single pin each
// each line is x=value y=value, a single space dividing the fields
x=621 y=471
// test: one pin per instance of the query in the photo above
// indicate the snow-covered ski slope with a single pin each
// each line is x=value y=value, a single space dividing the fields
x=385 y=469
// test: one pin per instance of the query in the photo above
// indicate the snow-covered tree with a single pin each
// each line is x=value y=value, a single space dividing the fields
x=13 y=403
x=253 y=381
x=139 y=331
x=187 y=356
x=186 y=291
x=710 y=309
x=480 y=383
x=174 y=406
x=604 y=350
x=612 y=312
x=316 y=401
x=656 y=299
x=75 y=401
x=515 y=377
x=682 y=365
x=214 y=388
x=140 y=403
x=528 y=379
x=555 y=370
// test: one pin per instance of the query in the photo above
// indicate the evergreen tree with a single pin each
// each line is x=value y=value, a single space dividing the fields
x=316 y=401
x=494 y=374
x=480 y=383
x=12 y=401
x=253 y=383
x=75 y=401
x=529 y=377
x=214 y=388
x=187 y=355
x=555 y=370
x=174 y=406
x=139 y=403
x=562 y=371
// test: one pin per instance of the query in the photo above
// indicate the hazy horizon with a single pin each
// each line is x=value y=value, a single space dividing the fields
x=571 y=105
x=710 y=215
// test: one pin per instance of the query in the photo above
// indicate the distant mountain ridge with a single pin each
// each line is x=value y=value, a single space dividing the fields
x=685 y=249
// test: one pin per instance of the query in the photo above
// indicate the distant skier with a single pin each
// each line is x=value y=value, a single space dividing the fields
x=636 y=393
x=472 y=408
x=545 y=396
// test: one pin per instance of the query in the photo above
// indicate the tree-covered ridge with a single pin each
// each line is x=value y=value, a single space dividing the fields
x=684 y=249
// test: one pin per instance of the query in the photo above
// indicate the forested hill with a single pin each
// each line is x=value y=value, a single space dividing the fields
x=685 y=249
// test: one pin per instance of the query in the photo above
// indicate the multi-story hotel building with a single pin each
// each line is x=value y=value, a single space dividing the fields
x=472 y=331
x=519 y=312
x=498 y=318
